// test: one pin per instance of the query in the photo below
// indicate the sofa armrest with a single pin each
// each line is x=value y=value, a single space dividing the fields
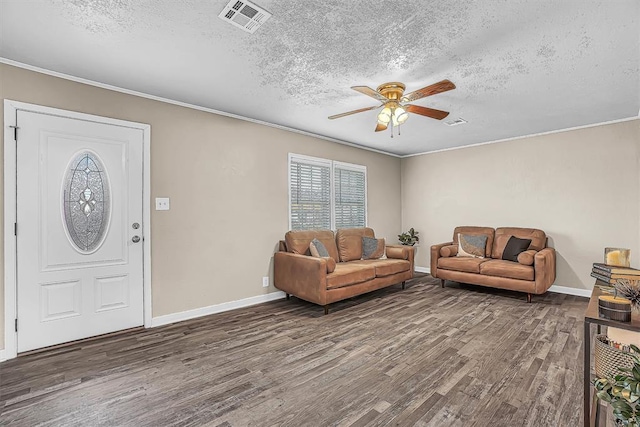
x=544 y=263
x=301 y=275
x=401 y=252
x=435 y=254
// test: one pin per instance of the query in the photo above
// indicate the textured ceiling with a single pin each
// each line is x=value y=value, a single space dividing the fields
x=520 y=67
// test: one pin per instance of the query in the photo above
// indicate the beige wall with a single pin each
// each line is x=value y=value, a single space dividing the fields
x=227 y=180
x=581 y=187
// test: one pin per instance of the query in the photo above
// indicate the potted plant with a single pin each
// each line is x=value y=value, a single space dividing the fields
x=623 y=392
x=409 y=238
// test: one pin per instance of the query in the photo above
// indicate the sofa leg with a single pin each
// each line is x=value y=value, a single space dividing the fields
x=403 y=284
x=326 y=309
x=442 y=283
x=529 y=298
x=288 y=296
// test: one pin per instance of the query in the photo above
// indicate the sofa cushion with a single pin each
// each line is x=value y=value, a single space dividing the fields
x=372 y=248
x=514 y=247
x=510 y=269
x=298 y=241
x=348 y=273
x=483 y=231
x=349 y=242
x=538 y=239
x=471 y=245
x=468 y=264
x=386 y=267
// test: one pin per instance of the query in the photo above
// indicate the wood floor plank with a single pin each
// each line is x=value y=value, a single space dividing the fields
x=424 y=356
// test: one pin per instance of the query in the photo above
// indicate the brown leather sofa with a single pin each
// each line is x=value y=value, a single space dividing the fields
x=534 y=273
x=323 y=281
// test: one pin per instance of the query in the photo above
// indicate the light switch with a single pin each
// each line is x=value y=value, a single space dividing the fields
x=162 y=203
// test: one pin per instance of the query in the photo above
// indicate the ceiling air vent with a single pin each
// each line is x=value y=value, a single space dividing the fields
x=245 y=15
x=456 y=122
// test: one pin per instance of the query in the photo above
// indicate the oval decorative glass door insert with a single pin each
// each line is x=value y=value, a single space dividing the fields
x=86 y=202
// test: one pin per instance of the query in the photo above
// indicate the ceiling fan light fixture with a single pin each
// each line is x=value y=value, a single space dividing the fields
x=400 y=115
x=385 y=115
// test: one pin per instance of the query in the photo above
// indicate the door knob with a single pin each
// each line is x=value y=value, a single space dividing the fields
x=135 y=239
x=135 y=225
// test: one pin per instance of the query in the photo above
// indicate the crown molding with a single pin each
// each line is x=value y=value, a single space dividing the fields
x=186 y=105
x=551 y=132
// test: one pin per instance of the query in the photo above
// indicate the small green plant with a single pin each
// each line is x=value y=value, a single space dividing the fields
x=409 y=238
x=623 y=392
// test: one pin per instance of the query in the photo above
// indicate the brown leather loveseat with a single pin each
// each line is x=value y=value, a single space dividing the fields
x=324 y=281
x=534 y=273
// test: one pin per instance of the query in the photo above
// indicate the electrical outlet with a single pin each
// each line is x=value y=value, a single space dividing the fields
x=162 y=203
x=265 y=282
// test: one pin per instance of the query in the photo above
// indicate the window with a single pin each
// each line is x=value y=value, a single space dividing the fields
x=86 y=204
x=325 y=194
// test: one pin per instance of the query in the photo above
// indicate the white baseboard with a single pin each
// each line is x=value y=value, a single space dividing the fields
x=571 y=291
x=213 y=309
x=421 y=269
x=2 y=357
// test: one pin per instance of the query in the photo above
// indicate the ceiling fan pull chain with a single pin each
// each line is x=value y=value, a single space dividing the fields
x=391 y=127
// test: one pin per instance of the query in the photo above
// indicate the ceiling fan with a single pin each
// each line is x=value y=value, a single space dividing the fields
x=395 y=110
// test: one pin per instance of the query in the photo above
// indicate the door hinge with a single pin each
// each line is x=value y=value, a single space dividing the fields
x=15 y=228
x=16 y=325
x=15 y=132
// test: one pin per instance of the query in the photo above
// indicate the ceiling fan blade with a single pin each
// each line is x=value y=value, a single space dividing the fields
x=433 y=89
x=366 y=90
x=348 y=113
x=380 y=127
x=429 y=112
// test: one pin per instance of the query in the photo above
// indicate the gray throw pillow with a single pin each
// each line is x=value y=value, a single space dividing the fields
x=372 y=248
x=318 y=249
x=471 y=245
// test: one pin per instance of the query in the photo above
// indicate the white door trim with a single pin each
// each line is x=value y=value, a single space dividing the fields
x=10 y=284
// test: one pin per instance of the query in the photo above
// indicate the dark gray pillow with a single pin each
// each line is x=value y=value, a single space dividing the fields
x=514 y=247
x=318 y=249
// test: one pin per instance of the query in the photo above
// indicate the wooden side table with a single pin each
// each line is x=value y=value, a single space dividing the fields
x=591 y=317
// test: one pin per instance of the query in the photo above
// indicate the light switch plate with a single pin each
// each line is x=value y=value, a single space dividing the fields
x=162 y=203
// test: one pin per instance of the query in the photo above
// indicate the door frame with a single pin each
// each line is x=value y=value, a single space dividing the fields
x=11 y=109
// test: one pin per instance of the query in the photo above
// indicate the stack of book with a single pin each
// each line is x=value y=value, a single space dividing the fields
x=606 y=275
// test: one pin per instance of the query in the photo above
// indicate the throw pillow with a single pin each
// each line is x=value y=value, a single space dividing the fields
x=331 y=264
x=527 y=257
x=318 y=249
x=447 y=251
x=471 y=246
x=514 y=247
x=372 y=248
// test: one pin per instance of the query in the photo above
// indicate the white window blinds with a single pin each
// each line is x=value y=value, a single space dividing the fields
x=310 y=186
x=350 y=197
x=325 y=194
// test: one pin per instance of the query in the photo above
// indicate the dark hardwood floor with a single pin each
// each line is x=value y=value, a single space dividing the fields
x=458 y=356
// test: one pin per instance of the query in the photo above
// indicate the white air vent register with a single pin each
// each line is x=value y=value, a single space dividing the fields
x=456 y=122
x=245 y=15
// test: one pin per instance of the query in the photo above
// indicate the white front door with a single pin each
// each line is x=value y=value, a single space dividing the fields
x=79 y=229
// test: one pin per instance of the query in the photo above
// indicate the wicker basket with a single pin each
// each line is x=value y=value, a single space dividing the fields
x=608 y=359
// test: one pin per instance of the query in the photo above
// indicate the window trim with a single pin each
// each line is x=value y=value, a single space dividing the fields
x=332 y=164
